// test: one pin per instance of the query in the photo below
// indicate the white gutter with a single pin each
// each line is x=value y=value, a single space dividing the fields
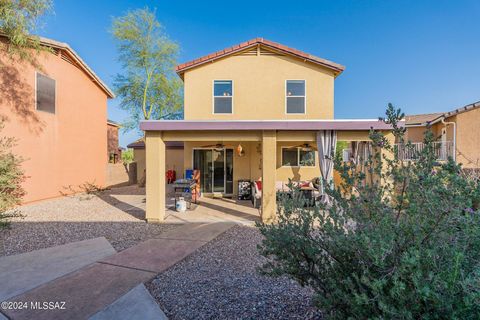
x=454 y=136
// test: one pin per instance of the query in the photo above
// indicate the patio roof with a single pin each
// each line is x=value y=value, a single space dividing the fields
x=245 y=125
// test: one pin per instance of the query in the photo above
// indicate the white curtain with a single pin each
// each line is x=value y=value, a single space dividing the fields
x=361 y=153
x=326 y=145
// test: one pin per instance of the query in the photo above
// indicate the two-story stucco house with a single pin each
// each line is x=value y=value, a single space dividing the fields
x=456 y=134
x=56 y=109
x=256 y=111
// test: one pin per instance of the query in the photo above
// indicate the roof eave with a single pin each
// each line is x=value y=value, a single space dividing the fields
x=335 y=67
x=64 y=46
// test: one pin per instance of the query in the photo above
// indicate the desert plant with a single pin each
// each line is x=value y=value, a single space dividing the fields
x=19 y=19
x=148 y=87
x=11 y=178
x=404 y=246
x=127 y=156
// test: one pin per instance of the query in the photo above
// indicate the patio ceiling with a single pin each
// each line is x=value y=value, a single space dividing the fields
x=246 y=125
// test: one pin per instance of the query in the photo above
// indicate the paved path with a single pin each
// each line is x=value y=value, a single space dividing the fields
x=137 y=304
x=23 y=272
x=97 y=286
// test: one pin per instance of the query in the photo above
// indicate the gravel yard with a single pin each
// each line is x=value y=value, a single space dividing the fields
x=115 y=214
x=220 y=281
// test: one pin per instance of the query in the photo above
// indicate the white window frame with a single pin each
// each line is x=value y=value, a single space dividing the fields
x=298 y=157
x=304 y=97
x=213 y=96
x=36 y=78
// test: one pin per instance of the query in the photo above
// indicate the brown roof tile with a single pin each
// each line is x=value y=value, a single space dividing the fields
x=421 y=118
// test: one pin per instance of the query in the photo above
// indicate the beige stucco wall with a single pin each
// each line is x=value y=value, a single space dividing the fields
x=468 y=138
x=258 y=88
x=417 y=134
x=139 y=158
x=173 y=160
x=68 y=148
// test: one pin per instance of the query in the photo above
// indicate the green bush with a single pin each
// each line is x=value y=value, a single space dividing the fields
x=127 y=156
x=406 y=246
x=11 y=178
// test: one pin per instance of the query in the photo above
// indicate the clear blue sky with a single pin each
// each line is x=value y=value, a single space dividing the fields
x=423 y=56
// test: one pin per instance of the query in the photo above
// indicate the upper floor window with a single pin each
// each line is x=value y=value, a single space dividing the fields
x=45 y=93
x=222 y=96
x=295 y=95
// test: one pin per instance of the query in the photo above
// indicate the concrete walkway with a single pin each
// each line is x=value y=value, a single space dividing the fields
x=23 y=272
x=94 y=288
x=136 y=304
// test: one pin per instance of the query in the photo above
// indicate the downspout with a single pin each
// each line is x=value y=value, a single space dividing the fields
x=454 y=137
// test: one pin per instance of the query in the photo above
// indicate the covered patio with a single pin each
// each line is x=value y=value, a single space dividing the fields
x=266 y=137
x=212 y=210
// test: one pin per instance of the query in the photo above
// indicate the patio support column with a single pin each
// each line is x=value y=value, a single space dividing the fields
x=269 y=168
x=155 y=176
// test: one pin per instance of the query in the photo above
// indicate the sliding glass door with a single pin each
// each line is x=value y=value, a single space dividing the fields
x=216 y=170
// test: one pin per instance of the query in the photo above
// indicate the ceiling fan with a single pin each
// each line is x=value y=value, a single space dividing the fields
x=217 y=146
x=305 y=146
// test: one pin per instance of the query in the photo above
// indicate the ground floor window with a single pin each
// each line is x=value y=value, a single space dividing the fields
x=298 y=157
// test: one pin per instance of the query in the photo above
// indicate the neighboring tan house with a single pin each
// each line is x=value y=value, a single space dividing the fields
x=173 y=159
x=57 y=111
x=456 y=133
x=256 y=111
x=114 y=152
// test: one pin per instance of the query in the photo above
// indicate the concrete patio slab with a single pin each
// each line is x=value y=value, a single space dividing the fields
x=210 y=210
x=198 y=231
x=137 y=304
x=85 y=292
x=35 y=268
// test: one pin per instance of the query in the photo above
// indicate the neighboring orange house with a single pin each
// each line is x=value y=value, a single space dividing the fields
x=58 y=114
x=114 y=152
x=456 y=133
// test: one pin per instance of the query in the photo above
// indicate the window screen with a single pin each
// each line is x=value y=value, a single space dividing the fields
x=307 y=158
x=290 y=157
x=45 y=93
x=222 y=96
x=295 y=96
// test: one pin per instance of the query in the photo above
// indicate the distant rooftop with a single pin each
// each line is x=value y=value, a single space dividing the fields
x=113 y=123
x=424 y=119
x=140 y=144
x=416 y=119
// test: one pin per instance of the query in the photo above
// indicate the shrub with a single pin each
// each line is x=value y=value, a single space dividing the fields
x=127 y=156
x=11 y=178
x=405 y=246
